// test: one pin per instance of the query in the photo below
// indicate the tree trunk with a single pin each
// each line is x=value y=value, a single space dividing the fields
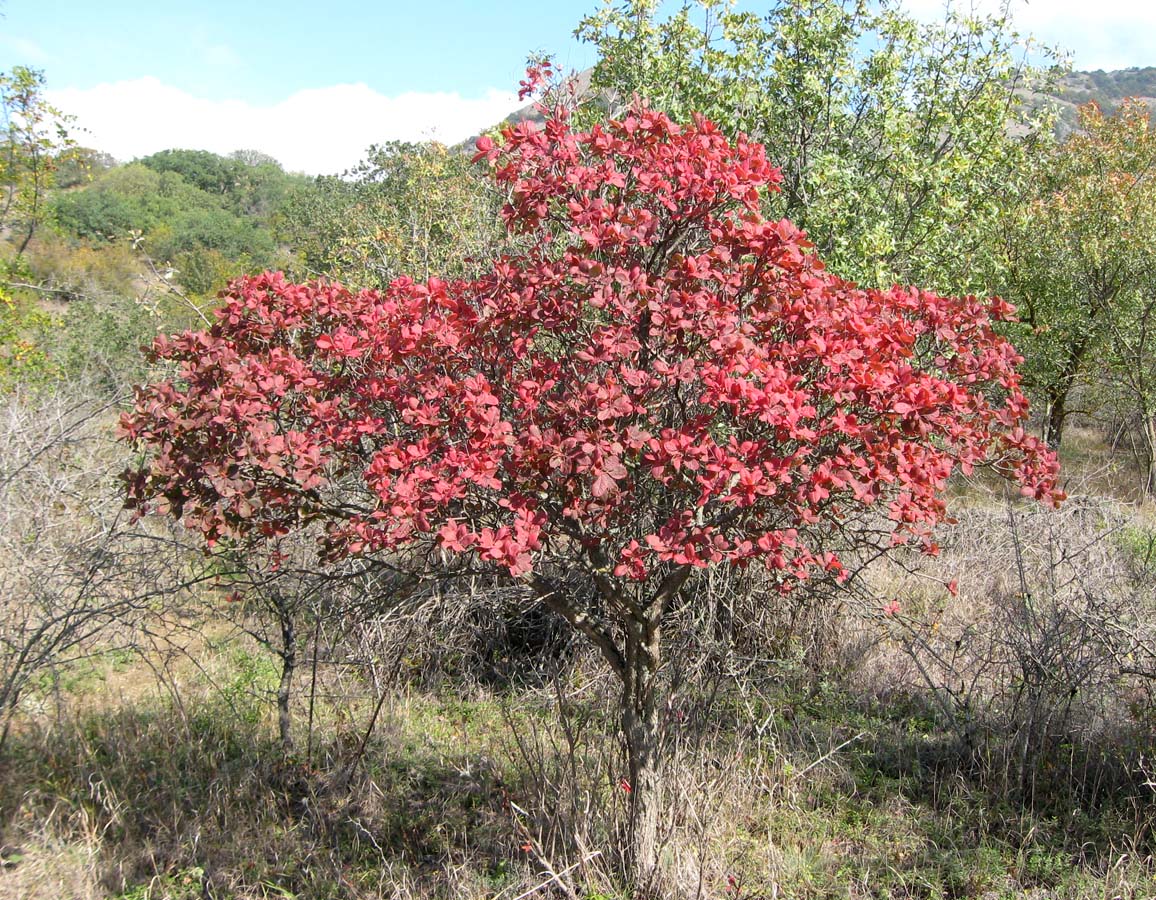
x=640 y=728
x=1150 y=453
x=636 y=663
x=285 y=687
x=26 y=240
x=1061 y=387
x=8 y=703
x=1057 y=412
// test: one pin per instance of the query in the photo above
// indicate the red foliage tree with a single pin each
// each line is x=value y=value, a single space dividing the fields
x=661 y=381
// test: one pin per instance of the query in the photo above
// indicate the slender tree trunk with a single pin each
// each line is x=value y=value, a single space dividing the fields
x=7 y=711
x=636 y=662
x=285 y=687
x=1150 y=452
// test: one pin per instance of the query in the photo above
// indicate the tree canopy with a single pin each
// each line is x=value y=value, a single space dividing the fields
x=1079 y=257
x=898 y=140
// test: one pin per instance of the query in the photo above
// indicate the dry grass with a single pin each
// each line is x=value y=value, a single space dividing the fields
x=815 y=749
x=778 y=785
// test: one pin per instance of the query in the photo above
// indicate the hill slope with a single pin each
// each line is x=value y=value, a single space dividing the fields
x=1106 y=88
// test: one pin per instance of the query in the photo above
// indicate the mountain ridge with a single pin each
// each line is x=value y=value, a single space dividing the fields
x=1108 y=88
x=1071 y=91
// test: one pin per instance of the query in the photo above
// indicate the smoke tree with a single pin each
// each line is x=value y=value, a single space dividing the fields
x=658 y=381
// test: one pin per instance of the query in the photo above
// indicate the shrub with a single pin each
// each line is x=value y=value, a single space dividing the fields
x=662 y=381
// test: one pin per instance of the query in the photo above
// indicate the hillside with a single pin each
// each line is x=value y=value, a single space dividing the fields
x=1072 y=91
x=1106 y=88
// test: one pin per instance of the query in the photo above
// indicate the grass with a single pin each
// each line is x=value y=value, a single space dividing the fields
x=841 y=796
x=845 y=780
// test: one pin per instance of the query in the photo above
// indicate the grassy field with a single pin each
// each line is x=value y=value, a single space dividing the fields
x=993 y=743
x=795 y=787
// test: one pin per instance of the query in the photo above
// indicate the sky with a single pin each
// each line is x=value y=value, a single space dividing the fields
x=315 y=84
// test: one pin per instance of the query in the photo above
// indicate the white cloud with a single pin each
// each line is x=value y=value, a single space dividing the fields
x=1109 y=34
x=319 y=131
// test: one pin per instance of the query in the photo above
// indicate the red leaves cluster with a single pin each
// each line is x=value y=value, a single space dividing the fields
x=665 y=378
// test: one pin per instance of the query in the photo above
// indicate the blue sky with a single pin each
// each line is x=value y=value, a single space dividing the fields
x=315 y=83
x=267 y=51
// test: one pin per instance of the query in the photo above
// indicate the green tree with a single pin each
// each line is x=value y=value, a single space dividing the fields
x=1079 y=259
x=407 y=209
x=78 y=166
x=33 y=133
x=247 y=182
x=262 y=187
x=127 y=198
x=894 y=138
x=23 y=360
x=211 y=173
x=197 y=232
